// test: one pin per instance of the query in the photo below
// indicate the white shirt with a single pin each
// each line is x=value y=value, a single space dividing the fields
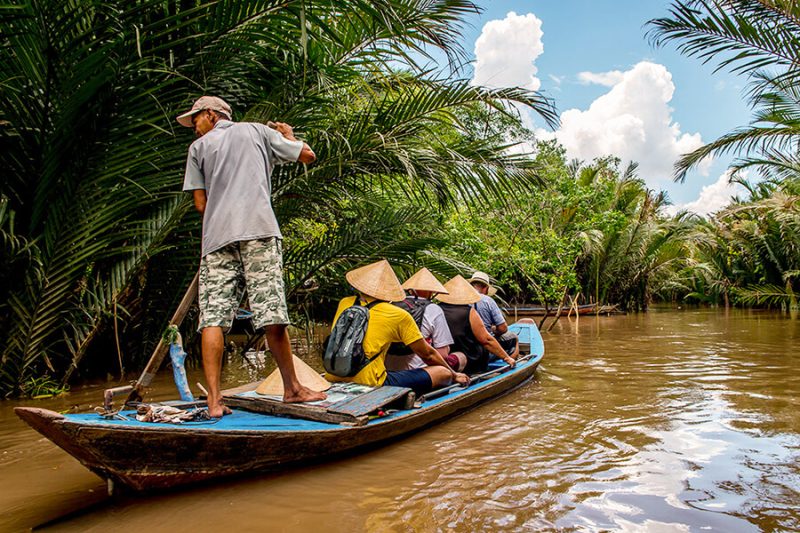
x=435 y=332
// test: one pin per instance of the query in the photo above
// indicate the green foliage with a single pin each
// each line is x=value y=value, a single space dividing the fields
x=102 y=238
x=760 y=39
x=38 y=388
x=592 y=231
x=748 y=253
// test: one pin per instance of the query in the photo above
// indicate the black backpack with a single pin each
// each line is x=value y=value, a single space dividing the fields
x=344 y=354
x=416 y=308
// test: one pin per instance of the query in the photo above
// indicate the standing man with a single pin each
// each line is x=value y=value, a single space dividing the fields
x=229 y=171
x=491 y=315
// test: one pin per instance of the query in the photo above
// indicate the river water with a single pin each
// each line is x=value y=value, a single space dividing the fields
x=665 y=421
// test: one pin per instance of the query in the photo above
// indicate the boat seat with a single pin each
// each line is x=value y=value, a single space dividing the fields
x=347 y=403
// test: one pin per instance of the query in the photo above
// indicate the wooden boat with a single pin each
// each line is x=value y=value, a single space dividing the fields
x=263 y=434
x=532 y=310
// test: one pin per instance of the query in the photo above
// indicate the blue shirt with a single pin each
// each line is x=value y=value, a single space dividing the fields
x=233 y=163
x=489 y=312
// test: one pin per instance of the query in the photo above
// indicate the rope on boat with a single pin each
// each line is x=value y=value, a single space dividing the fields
x=166 y=414
x=111 y=415
x=162 y=414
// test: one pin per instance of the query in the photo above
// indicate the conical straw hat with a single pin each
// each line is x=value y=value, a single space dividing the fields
x=377 y=280
x=273 y=385
x=424 y=280
x=460 y=292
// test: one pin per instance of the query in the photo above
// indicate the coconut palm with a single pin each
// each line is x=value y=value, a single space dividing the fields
x=94 y=159
x=630 y=257
x=757 y=38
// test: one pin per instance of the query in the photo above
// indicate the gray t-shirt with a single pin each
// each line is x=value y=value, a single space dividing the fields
x=233 y=163
x=489 y=312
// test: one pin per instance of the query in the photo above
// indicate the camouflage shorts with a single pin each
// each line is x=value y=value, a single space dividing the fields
x=255 y=265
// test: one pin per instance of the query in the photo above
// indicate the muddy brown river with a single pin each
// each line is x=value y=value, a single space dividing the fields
x=665 y=421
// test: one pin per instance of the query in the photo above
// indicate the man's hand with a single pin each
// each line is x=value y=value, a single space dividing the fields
x=458 y=377
x=511 y=361
x=283 y=128
x=307 y=155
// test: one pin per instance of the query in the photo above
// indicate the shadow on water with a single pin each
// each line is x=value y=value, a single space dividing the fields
x=678 y=421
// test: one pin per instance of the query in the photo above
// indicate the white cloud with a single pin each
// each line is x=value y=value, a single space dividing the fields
x=506 y=50
x=607 y=79
x=633 y=121
x=712 y=197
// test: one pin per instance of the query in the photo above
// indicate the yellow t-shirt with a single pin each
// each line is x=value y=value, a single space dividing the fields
x=387 y=324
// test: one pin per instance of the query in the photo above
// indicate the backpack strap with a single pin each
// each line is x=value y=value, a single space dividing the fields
x=369 y=305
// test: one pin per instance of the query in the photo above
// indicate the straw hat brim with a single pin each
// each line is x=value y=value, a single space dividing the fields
x=460 y=292
x=307 y=376
x=424 y=280
x=377 y=280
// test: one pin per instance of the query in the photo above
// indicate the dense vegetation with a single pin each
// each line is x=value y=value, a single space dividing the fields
x=748 y=253
x=98 y=243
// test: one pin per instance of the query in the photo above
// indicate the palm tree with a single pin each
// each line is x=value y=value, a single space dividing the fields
x=93 y=157
x=757 y=38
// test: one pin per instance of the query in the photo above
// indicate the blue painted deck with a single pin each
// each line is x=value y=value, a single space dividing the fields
x=247 y=421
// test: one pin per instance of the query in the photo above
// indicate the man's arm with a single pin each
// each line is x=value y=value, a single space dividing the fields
x=200 y=200
x=486 y=340
x=434 y=358
x=307 y=155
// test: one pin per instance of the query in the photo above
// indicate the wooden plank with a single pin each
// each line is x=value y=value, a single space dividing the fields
x=366 y=403
x=241 y=388
x=304 y=411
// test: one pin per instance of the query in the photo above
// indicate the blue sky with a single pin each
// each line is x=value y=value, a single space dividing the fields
x=616 y=93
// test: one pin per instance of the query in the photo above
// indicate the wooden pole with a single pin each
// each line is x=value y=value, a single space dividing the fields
x=473 y=380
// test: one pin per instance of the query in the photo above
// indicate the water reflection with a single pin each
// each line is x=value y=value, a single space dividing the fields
x=659 y=422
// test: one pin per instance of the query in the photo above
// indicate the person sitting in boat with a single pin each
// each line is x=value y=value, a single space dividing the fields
x=469 y=334
x=420 y=288
x=490 y=314
x=388 y=324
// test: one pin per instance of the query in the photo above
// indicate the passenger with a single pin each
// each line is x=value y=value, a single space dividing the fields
x=469 y=334
x=388 y=324
x=421 y=287
x=491 y=315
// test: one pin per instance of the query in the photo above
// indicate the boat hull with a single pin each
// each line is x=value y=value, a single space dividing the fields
x=156 y=456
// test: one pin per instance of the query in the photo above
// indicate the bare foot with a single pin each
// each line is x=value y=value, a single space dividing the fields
x=218 y=411
x=303 y=394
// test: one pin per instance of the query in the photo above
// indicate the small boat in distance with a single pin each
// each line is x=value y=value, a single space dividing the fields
x=535 y=310
x=263 y=434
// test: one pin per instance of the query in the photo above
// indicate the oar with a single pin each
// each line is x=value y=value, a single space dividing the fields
x=135 y=391
x=473 y=379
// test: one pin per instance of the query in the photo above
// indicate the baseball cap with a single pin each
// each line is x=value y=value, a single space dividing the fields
x=205 y=102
